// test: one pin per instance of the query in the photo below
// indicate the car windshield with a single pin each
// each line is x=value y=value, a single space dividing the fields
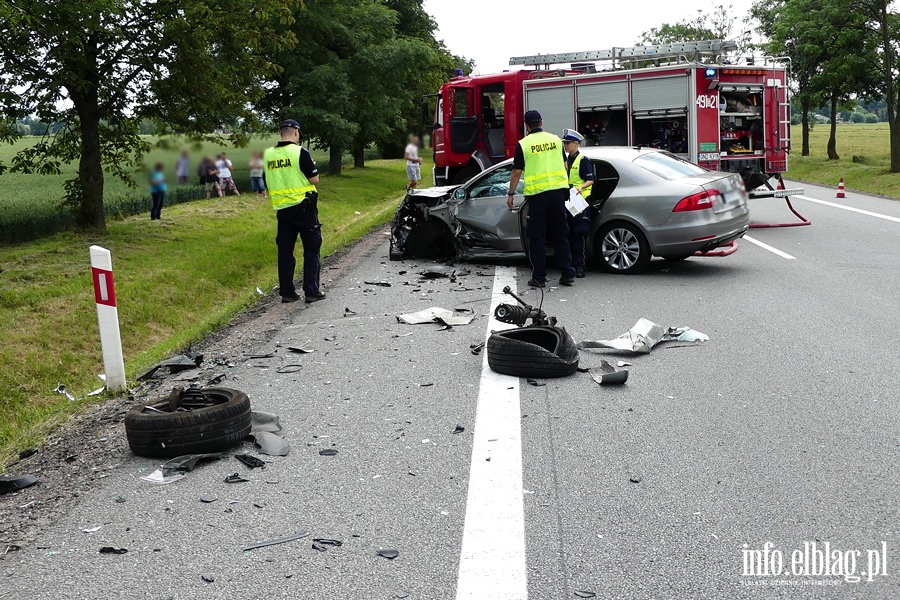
x=496 y=183
x=668 y=166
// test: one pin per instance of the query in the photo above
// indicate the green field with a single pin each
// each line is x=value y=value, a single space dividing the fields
x=869 y=172
x=30 y=204
x=176 y=280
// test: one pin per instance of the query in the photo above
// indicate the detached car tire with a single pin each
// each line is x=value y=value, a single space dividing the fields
x=539 y=352
x=213 y=428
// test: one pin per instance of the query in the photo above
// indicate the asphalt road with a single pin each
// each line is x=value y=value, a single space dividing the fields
x=780 y=431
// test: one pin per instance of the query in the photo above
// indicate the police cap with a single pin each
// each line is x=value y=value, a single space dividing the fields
x=532 y=117
x=570 y=135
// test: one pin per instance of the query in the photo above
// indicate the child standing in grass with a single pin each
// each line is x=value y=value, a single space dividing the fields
x=257 y=183
x=157 y=191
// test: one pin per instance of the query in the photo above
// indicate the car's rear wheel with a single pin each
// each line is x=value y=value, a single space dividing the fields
x=621 y=247
x=677 y=257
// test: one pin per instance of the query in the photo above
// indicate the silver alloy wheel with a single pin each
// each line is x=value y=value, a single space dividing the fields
x=620 y=248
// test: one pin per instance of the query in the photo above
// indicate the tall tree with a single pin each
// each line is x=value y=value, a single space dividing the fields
x=885 y=23
x=715 y=24
x=99 y=67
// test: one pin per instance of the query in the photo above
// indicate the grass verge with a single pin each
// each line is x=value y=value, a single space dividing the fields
x=865 y=154
x=177 y=280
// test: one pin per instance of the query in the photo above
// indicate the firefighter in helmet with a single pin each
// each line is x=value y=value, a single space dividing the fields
x=581 y=177
x=540 y=158
x=291 y=176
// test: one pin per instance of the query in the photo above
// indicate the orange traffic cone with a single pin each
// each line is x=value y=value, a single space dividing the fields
x=840 y=192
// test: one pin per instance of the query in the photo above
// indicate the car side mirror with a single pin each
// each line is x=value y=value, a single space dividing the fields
x=460 y=194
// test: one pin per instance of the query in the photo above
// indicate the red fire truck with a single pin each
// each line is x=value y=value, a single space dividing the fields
x=698 y=100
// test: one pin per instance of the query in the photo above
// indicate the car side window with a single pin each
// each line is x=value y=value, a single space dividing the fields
x=606 y=178
x=496 y=183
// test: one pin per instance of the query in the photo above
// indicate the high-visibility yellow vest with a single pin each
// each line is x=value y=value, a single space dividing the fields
x=545 y=167
x=575 y=179
x=286 y=182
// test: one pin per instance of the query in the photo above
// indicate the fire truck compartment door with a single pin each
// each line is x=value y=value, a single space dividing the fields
x=659 y=93
x=603 y=95
x=556 y=105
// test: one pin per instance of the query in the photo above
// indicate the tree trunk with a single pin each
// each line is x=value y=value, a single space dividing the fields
x=895 y=146
x=359 y=158
x=804 y=123
x=832 y=138
x=90 y=174
x=335 y=158
x=890 y=99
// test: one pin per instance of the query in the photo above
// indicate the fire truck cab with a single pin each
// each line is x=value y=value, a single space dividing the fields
x=694 y=99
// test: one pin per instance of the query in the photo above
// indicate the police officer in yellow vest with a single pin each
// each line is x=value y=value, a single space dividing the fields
x=291 y=176
x=540 y=157
x=581 y=177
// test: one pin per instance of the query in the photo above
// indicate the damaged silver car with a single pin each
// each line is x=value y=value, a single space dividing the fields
x=644 y=203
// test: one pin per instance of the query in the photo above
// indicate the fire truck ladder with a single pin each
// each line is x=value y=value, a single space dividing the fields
x=686 y=49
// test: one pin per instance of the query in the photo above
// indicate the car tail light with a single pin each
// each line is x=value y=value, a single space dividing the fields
x=700 y=201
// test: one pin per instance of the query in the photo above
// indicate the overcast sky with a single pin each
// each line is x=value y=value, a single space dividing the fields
x=491 y=31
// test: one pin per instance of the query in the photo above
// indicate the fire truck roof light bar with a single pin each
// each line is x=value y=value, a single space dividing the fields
x=648 y=52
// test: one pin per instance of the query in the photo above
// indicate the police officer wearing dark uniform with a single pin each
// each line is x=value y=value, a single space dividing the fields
x=291 y=176
x=540 y=158
x=581 y=177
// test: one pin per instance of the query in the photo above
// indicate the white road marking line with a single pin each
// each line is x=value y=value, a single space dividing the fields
x=850 y=208
x=492 y=563
x=769 y=248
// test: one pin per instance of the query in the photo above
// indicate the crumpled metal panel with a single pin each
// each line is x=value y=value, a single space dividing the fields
x=644 y=335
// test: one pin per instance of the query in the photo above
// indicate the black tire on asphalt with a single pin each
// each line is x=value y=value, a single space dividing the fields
x=538 y=352
x=204 y=430
x=643 y=254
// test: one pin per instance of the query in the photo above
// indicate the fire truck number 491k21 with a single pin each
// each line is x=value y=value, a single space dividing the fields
x=698 y=100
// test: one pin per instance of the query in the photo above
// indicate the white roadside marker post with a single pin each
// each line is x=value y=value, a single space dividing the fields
x=108 y=318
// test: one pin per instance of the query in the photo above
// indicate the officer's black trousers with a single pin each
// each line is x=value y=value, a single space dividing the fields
x=579 y=228
x=548 y=209
x=303 y=221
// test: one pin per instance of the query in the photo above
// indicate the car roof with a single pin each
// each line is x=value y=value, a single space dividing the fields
x=621 y=152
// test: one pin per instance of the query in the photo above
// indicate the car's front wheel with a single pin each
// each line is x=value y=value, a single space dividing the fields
x=621 y=248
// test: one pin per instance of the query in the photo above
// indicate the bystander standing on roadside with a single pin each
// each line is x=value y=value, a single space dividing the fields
x=226 y=181
x=257 y=172
x=413 y=162
x=183 y=169
x=211 y=177
x=157 y=191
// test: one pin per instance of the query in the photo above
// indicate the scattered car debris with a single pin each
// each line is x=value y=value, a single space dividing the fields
x=536 y=383
x=458 y=429
x=26 y=453
x=176 y=468
x=235 y=478
x=644 y=335
x=93 y=529
x=251 y=461
x=477 y=348
x=260 y=356
x=217 y=378
x=635 y=479
x=175 y=364
x=438 y=315
x=321 y=543
x=348 y=312
x=400 y=335
x=12 y=483
x=583 y=594
x=207 y=499
x=111 y=550
x=282 y=540
x=378 y=283
x=210 y=578
x=61 y=389
x=606 y=374
x=622 y=363
x=328 y=452
x=302 y=349
x=388 y=553
x=330 y=338
x=438 y=271
x=426 y=384
x=264 y=425
x=292 y=368
x=445 y=328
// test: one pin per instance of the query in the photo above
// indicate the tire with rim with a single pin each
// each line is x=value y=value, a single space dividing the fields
x=621 y=247
x=540 y=352
x=159 y=433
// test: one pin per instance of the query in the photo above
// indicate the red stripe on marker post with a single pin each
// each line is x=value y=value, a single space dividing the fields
x=104 y=290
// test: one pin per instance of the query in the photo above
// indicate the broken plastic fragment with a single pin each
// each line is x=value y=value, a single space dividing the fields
x=61 y=389
x=158 y=477
x=328 y=542
x=11 y=483
x=606 y=374
x=435 y=314
x=111 y=550
x=210 y=578
x=328 y=452
x=348 y=312
x=301 y=349
x=388 y=553
x=378 y=283
x=264 y=421
x=93 y=529
x=458 y=429
x=644 y=335
x=235 y=478
x=250 y=461
x=439 y=271
x=582 y=594
x=289 y=369
x=536 y=383
x=270 y=444
x=282 y=540
x=179 y=362
x=209 y=500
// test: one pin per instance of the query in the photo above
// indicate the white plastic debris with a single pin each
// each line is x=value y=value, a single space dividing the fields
x=646 y=334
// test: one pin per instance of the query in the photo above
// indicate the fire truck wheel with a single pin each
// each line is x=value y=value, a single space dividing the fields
x=465 y=175
x=621 y=247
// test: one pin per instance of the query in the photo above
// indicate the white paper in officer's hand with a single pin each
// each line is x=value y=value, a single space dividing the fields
x=576 y=204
